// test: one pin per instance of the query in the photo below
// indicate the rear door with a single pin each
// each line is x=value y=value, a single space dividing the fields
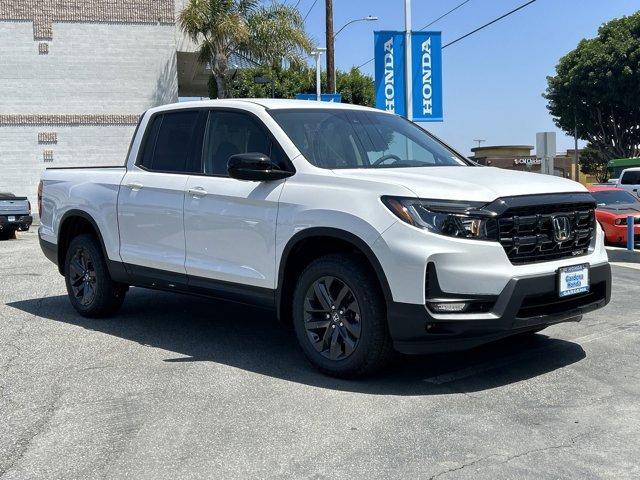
x=630 y=181
x=151 y=198
x=230 y=224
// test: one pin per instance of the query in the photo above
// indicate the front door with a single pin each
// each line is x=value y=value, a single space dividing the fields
x=230 y=224
x=151 y=199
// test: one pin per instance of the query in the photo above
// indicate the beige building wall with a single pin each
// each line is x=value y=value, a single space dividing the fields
x=74 y=78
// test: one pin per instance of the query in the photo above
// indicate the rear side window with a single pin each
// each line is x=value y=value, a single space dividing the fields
x=631 y=178
x=168 y=143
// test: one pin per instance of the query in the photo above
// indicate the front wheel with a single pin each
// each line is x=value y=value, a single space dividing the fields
x=91 y=290
x=340 y=318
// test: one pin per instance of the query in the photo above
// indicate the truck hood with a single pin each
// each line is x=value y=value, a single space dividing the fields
x=482 y=184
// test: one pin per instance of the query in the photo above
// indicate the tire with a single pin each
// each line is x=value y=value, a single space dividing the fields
x=7 y=234
x=86 y=272
x=363 y=322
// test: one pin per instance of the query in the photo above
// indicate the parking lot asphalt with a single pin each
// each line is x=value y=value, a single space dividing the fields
x=183 y=387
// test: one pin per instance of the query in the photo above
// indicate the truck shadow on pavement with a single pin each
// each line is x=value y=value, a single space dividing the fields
x=204 y=330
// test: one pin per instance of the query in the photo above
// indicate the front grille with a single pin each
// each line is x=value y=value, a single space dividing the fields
x=527 y=234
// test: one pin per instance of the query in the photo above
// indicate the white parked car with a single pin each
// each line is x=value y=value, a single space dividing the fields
x=629 y=180
x=360 y=228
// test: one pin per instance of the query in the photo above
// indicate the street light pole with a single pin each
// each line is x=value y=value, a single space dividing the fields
x=407 y=51
x=331 y=67
x=368 y=18
x=317 y=52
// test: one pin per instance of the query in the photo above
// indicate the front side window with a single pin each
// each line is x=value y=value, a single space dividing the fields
x=168 y=142
x=337 y=139
x=231 y=133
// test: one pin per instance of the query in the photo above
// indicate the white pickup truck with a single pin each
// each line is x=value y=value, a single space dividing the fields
x=359 y=228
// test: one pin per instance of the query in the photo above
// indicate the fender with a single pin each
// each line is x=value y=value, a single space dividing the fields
x=338 y=234
x=116 y=269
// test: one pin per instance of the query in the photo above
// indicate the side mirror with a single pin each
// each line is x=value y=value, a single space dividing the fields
x=257 y=167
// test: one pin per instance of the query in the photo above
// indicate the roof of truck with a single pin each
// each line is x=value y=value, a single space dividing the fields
x=268 y=103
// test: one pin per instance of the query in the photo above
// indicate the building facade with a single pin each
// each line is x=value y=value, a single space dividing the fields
x=75 y=77
x=520 y=157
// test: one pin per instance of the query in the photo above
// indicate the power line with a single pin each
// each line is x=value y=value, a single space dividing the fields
x=445 y=14
x=490 y=23
x=309 y=11
x=427 y=25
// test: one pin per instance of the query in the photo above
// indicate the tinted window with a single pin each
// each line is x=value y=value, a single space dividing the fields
x=631 y=178
x=150 y=142
x=362 y=139
x=173 y=142
x=230 y=133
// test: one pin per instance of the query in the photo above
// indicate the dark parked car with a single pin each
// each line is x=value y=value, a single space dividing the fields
x=15 y=214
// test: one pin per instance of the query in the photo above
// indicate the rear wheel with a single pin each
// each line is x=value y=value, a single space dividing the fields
x=340 y=318
x=7 y=234
x=91 y=290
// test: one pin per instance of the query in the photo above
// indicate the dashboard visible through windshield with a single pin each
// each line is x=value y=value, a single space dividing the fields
x=338 y=139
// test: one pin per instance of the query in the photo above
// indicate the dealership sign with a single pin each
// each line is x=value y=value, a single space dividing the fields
x=390 y=72
x=426 y=74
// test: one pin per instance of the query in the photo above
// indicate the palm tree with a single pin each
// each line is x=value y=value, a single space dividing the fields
x=267 y=34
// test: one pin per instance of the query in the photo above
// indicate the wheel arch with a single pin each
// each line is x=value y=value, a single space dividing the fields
x=77 y=222
x=311 y=243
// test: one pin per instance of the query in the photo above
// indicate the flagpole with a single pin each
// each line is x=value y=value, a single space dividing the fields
x=407 y=53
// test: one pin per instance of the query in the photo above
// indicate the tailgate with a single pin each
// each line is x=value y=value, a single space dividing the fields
x=14 y=206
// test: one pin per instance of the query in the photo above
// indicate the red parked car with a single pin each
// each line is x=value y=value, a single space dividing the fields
x=614 y=206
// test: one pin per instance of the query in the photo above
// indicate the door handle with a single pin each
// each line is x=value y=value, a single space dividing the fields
x=197 y=192
x=134 y=186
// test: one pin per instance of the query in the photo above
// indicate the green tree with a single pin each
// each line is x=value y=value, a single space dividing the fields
x=593 y=162
x=354 y=86
x=269 y=34
x=597 y=89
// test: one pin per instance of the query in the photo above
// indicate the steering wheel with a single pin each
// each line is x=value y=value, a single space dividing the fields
x=386 y=157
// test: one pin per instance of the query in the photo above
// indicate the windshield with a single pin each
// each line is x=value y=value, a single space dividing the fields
x=361 y=139
x=613 y=197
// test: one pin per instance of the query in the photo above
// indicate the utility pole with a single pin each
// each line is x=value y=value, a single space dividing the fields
x=479 y=140
x=331 y=66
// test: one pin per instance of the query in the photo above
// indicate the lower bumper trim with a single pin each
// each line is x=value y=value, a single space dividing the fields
x=525 y=304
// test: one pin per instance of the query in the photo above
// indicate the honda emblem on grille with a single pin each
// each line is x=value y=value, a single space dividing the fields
x=561 y=228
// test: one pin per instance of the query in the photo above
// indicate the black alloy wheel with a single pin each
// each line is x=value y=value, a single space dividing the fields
x=332 y=318
x=339 y=316
x=82 y=276
x=92 y=291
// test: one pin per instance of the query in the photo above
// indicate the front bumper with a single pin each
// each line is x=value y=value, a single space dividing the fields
x=20 y=221
x=526 y=303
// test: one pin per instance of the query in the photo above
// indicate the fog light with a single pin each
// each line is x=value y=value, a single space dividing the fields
x=448 y=307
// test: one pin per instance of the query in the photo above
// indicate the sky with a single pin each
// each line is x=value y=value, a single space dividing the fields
x=493 y=80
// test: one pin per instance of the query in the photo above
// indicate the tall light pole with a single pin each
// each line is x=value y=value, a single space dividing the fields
x=368 y=18
x=407 y=51
x=331 y=67
x=317 y=52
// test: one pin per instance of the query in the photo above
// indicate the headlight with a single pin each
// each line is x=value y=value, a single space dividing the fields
x=454 y=219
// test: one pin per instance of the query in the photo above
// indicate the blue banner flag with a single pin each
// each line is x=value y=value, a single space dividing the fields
x=426 y=59
x=390 y=72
